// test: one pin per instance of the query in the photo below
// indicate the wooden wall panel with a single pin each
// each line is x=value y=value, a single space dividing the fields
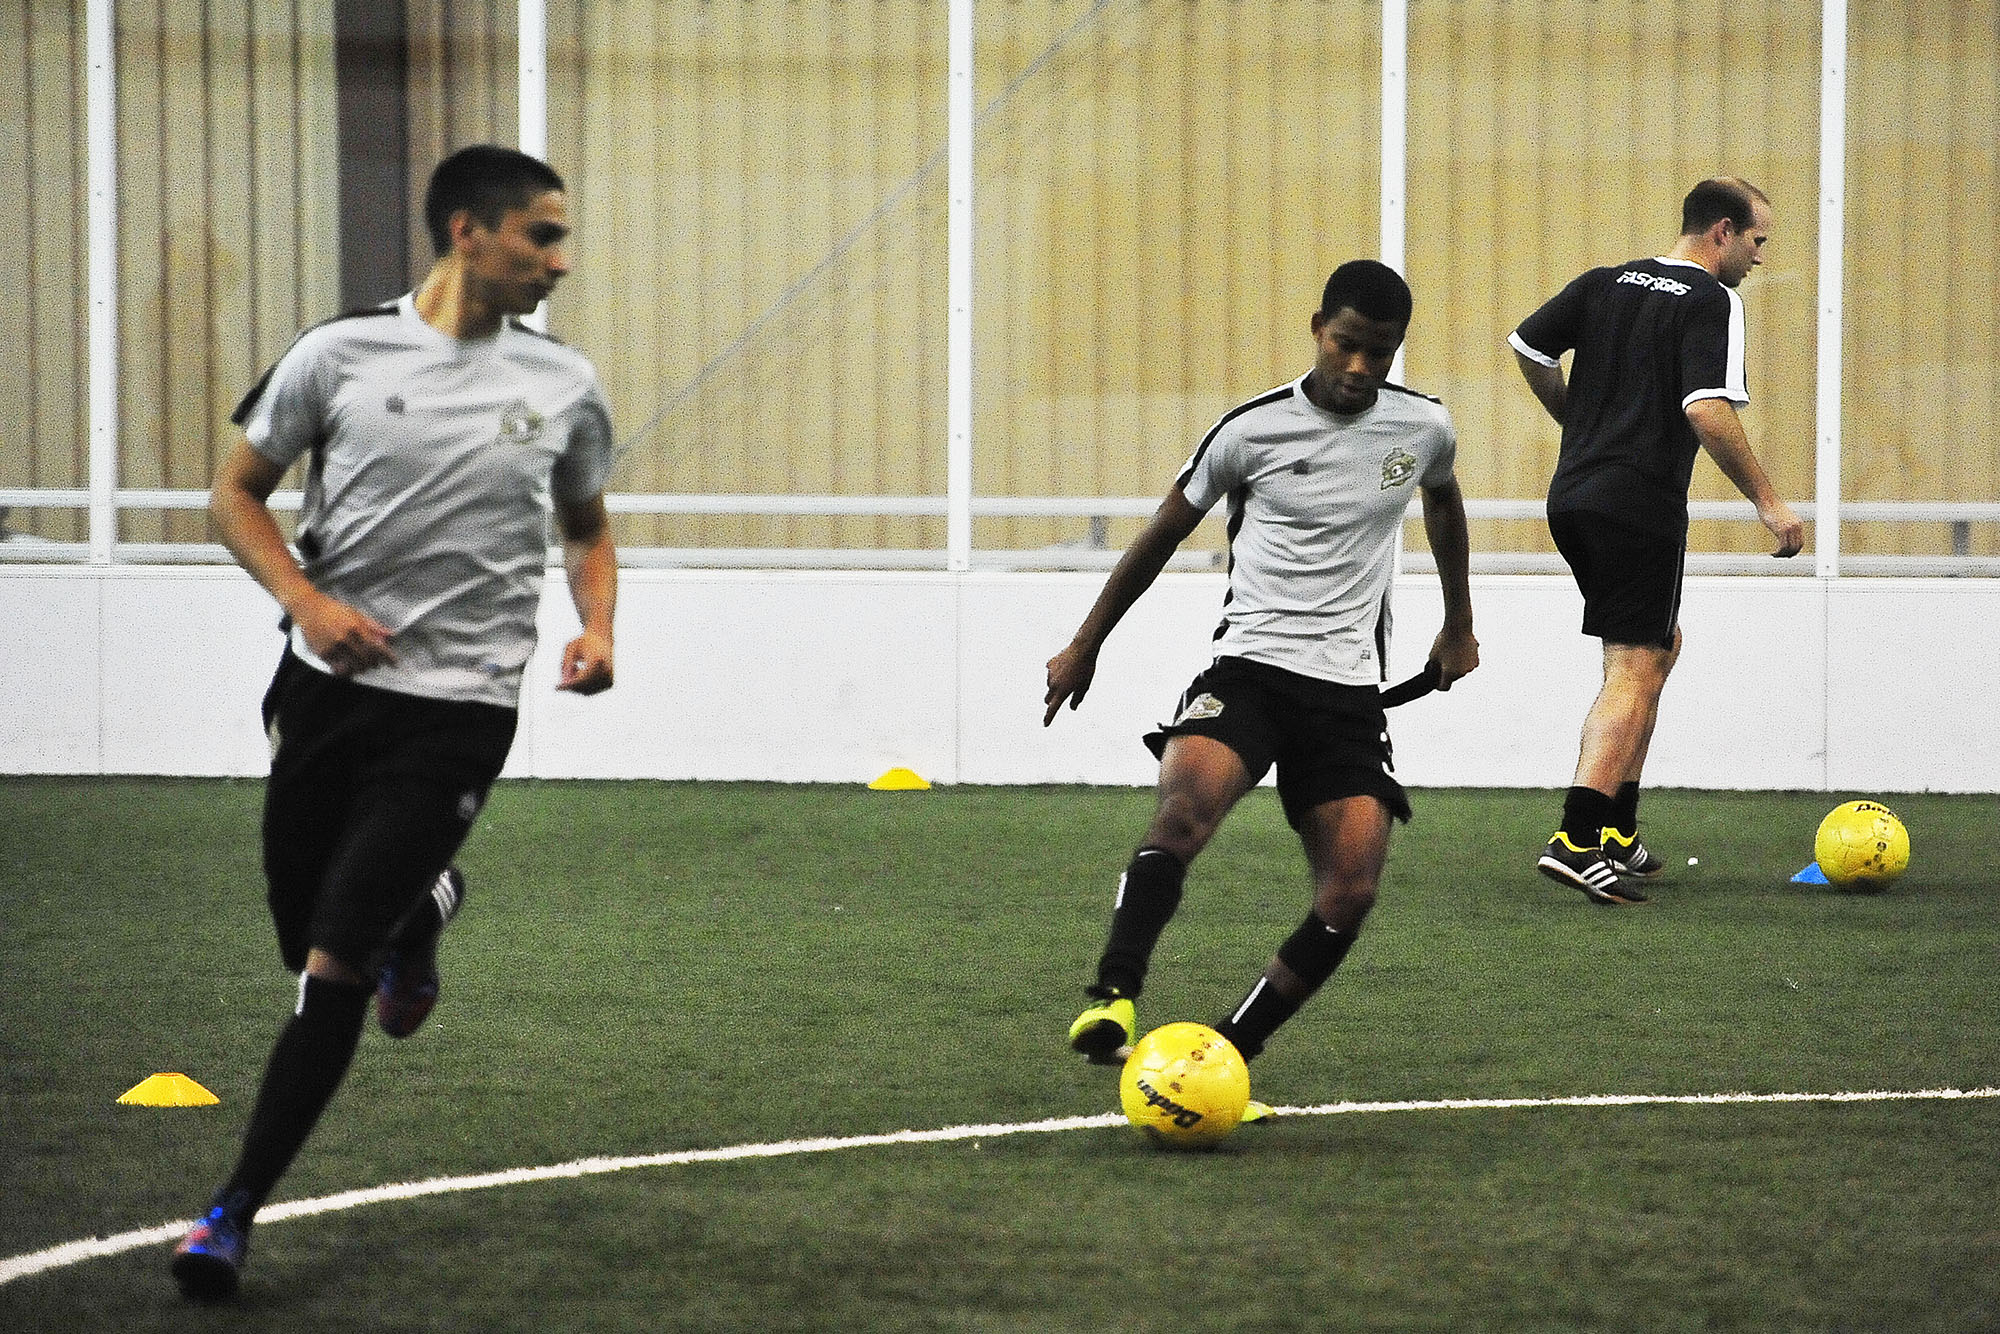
x=1548 y=138
x=759 y=191
x=1163 y=190
x=227 y=222
x=1162 y=185
x=464 y=89
x=43 y=345
x=1922 y=345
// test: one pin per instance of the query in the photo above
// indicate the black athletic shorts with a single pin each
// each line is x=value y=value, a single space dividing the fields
x=371 y=793
x=1328 y=740
x=1630 y=578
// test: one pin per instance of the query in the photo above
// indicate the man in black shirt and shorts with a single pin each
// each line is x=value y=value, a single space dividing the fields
x=1318 y=475
x=1657 y=377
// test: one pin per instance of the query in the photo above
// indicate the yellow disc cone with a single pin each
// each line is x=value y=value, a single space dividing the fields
x=900 y=780
x=173 y=1090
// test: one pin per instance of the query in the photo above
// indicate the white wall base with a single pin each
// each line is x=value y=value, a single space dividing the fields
x=1853 y=685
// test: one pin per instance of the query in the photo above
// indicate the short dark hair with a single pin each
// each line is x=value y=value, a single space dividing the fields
x=485 y=180
x=1371 y=289
x=1717 y=198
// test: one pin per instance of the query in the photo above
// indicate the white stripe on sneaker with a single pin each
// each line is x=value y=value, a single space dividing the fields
x=445 y=895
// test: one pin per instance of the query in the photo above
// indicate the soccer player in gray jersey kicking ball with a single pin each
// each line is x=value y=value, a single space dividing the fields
x=439 y=434
x=1656 y=378
x=1318 y=474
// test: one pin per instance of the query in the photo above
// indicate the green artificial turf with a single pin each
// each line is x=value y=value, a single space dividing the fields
x=652 y=967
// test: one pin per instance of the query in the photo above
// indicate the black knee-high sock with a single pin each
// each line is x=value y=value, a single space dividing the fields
x=1585 y=813
x=307 y=1064
x=1311 y=953
x=1625 y=810
x=1148 y=893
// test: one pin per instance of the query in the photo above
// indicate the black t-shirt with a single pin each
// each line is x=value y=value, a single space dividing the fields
x=1650 y=337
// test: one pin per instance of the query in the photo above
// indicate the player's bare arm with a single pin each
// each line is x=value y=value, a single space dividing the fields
x=1720 y=431
x=1548 y=384
x=1071 y=670
x=590 y=563
x=1455 y=650
x=345 y=638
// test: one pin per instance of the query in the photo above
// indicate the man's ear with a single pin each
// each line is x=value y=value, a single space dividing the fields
x=460 y=226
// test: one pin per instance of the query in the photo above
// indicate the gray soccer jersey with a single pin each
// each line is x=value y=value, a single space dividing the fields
x=1316 y=506
x=428 y=497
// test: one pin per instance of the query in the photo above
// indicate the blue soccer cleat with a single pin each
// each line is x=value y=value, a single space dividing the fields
x=208 y=1262
x=406 y=988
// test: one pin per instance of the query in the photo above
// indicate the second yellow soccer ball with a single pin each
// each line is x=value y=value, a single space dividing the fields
x=1861 y=845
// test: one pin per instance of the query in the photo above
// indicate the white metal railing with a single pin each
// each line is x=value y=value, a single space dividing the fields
x=1092 y=552
x=778 y=505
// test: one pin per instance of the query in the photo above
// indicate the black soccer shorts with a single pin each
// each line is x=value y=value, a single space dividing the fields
x=371 y=794
x=1328 y=740
x=1630 y=578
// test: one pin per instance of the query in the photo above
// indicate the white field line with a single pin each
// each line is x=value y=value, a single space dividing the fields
x=91 y=1248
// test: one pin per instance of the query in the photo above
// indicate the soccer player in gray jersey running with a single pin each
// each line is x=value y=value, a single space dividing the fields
x=440 y=435
x=1318 y=475
x=1657 y=378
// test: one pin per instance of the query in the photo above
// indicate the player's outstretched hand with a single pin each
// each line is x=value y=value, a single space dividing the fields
x=1070 y=672
x=586 y=665
x=1786 y=527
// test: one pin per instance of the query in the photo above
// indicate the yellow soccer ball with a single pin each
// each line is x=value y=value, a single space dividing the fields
x=1184 y=1086
x=1861 y=845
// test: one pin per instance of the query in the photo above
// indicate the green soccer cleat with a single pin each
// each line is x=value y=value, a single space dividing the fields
x=1629 y=857
x=1103 y=1033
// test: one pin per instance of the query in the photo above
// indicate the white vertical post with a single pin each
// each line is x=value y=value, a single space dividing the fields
x=1395 y=142
x=1395 y=131
x=1395 y=158
x=958 y=295
x=532 y=67
x=532 y=70
x=101 y=116
x=1832 y=247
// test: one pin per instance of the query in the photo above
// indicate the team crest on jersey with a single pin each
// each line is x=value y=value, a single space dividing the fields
x=1398 y=467
x=1201 y=706
x=520 y=423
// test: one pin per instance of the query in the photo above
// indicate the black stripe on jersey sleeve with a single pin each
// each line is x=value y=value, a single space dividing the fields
x=249 y=402
x=522 y=326
x=1413 y=393
x=1278 y=395
x=1382 y=636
